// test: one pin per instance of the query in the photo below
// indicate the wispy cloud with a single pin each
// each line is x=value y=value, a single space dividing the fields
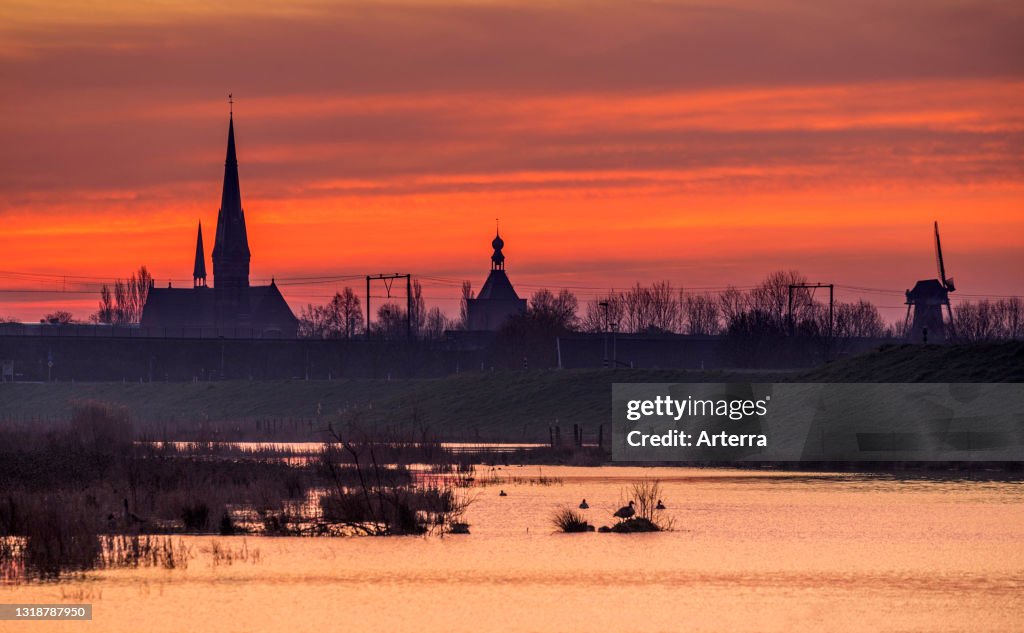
x=615 y=137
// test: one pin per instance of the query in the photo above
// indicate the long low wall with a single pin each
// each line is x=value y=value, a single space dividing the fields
x=102 y=330
x=673 y=351
x=153 y=359
x=104 y=358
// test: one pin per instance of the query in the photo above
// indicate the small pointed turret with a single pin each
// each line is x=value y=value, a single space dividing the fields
x=199 y=269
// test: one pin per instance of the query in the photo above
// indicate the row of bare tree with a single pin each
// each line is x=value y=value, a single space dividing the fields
x=343 y=318
x=656 y=308
x=989 y=320
x=663 y=308
x=123 y=304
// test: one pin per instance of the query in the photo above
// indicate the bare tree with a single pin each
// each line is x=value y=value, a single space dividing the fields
x=856 y=320
x=558 y=311
x=345 y=314
x=341 y=317
x=732 y=304
x=700 y=314
x=771 y=297
x=636 y=312
x=603 y=314
x=129 y=298
x=467 y=294
x=977 y=322
x=311 y=322
x=105 y=313
x=665 y=309
x=1011 y=317
x=418 y=308
x=391 y=323
x=899 y=329
x=436 y=324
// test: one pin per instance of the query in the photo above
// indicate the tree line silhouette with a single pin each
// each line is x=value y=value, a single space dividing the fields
x=762 y=312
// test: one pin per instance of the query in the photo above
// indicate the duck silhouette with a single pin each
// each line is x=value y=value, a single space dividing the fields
x=584 y=505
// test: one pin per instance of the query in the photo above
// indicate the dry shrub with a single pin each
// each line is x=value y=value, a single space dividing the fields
x=568 y=520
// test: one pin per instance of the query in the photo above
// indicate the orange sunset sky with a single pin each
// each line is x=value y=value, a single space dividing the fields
x=702 y=143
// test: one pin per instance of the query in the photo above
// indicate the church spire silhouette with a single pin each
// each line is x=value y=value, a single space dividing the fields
x=231 y=307
x=231 y=248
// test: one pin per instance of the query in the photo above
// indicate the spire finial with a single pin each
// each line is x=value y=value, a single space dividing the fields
x=231 y=105
x=497 y=259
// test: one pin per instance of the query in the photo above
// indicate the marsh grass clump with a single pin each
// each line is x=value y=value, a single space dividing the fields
x=493 y=478
x=396 y=511
x=12 y=568
x=224 y=554
x=124 y=550
x=568 y=520
x=44 y=535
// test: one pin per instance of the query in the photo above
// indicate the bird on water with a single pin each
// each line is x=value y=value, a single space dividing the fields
x=502 y=494
x=625 y=512
x=660 y=506
x=583 y=505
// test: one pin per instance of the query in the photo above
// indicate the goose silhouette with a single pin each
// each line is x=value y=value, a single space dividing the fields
x=583 y=505
x=625 y=512
x=660 y=506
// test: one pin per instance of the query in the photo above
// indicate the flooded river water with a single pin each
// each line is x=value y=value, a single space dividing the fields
x=750 y=551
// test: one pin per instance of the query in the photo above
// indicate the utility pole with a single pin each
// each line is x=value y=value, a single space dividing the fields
x=831 y=305
x=388 y=281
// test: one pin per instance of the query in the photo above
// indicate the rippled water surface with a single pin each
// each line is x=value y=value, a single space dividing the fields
x=750 y=552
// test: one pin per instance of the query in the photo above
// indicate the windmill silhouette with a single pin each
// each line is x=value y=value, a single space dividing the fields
x=927 y=299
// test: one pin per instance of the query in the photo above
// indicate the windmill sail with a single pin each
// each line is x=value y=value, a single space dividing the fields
x=946 y=283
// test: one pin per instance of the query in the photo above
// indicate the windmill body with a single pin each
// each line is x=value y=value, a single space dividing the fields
x=926 y=301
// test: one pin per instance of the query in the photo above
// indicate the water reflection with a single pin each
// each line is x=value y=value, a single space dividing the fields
x=752 y=550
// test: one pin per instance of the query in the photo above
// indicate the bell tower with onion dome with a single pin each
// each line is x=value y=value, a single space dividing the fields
x=497 y=301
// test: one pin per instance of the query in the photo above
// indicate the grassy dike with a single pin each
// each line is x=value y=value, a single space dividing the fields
x=510 y=406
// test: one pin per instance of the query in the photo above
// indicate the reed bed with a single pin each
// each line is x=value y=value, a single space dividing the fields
x=89 y=495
